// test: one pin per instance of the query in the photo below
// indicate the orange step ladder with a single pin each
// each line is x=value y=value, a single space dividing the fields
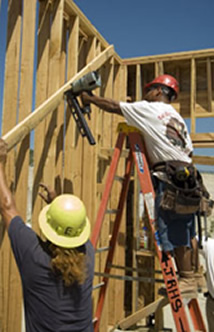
x=137 y=156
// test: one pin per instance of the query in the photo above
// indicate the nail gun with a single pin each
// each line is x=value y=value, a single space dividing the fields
x=86 y=83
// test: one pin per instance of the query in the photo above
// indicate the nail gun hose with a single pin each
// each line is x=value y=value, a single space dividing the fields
x=79 y=118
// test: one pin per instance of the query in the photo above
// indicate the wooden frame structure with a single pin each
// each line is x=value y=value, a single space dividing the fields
x=50 y=43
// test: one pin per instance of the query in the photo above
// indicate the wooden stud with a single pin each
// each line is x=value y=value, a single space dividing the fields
x=40 y=151
x=89 y=156
x=193 y=95
x=11 y=84
x=22 y=158
x=209 y=85
x=117 y=287
x=138 y=83
x=71 y=130
x=59 y=175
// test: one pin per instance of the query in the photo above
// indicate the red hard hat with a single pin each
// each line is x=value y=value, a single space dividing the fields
x=166 y=80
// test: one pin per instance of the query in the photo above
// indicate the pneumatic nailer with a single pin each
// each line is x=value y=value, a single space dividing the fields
x=86 y=83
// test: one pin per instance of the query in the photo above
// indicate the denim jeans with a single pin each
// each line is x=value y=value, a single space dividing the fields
x=174 y=229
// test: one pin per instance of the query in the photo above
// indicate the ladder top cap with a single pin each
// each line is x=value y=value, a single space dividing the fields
x=123 y=127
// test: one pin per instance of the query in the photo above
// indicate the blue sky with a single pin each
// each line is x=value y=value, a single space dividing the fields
x=139 y=27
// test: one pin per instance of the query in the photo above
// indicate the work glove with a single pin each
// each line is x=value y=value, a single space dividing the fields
x=48 y=195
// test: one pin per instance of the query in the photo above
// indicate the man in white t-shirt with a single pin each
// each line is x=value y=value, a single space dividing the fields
x=208 y=253
x=166 y=138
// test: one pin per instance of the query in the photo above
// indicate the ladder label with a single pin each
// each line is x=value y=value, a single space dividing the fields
x=150 y=204
x=172 y=286
x=139 y=158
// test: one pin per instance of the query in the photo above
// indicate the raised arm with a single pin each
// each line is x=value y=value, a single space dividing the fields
x=106 y=104
x=7 y=202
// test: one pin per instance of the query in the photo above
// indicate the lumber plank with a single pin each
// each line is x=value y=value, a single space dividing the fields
x=138 y=83
x=209 y=85
x=170 y=57
x=40 y=152
x=22 y=159
x=197 y=137
x=12 y=63
x=106 y=140
x=59 y=174
x=203 y=160
x=193 y=95
x=54 y=70
x=143 y=312
x=17 y=133
x=90 y=152
x=71 y=130
x=117 y=287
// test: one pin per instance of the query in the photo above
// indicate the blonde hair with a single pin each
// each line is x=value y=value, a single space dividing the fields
x=69 y=263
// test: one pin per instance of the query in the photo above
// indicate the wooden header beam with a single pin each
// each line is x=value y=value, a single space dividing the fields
x=203 y=160
x=171 y=57
x=16 y=134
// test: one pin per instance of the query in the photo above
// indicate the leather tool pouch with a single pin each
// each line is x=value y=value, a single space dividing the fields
x=179 y=201
x=183 y=190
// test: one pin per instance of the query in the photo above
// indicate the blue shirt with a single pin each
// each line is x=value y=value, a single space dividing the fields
x=49 y=305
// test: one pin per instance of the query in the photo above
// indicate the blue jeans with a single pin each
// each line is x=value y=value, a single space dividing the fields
x=175 y=230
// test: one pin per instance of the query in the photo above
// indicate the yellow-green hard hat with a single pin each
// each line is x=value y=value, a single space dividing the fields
x=64 y=222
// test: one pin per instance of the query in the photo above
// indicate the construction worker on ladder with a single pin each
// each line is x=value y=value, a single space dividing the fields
x=56 y=274
x=166 y=138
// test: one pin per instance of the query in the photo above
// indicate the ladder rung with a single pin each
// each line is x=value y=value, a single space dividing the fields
x=113 y=211
x=98 y=285
x=102 y=249
x=129 y=278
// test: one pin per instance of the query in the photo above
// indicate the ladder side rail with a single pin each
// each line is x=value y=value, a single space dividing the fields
x=113 y=241
x=167 y=266
x=107 y=190
x=195 y=312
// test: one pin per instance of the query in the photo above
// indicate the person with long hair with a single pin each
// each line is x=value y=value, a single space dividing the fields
x=56 y=268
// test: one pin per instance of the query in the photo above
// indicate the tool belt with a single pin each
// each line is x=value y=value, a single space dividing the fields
x=184 y=192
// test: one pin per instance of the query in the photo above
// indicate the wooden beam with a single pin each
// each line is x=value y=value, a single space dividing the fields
x=170 y=57
x=138 y=83
x=204 y=115
x=202 y=137
x=30 y=122
x=193 y=95
x=203 y=145
x=142 y=313
x=9 y=278
x=43 y=45
x=203 y=160
x=209 y=85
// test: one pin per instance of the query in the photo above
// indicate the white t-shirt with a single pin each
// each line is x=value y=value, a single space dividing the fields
x=208 y=253
x=164 y=131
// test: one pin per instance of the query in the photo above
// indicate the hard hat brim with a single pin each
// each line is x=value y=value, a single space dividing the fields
x=59 y=240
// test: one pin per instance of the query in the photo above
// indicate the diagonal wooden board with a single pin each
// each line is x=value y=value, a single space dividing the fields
x=143 y=312
x=16 y=134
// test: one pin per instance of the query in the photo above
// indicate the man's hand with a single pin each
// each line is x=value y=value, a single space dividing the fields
x=85 y=98
x=49 y=194
x=106 y=104
x=3 y=151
